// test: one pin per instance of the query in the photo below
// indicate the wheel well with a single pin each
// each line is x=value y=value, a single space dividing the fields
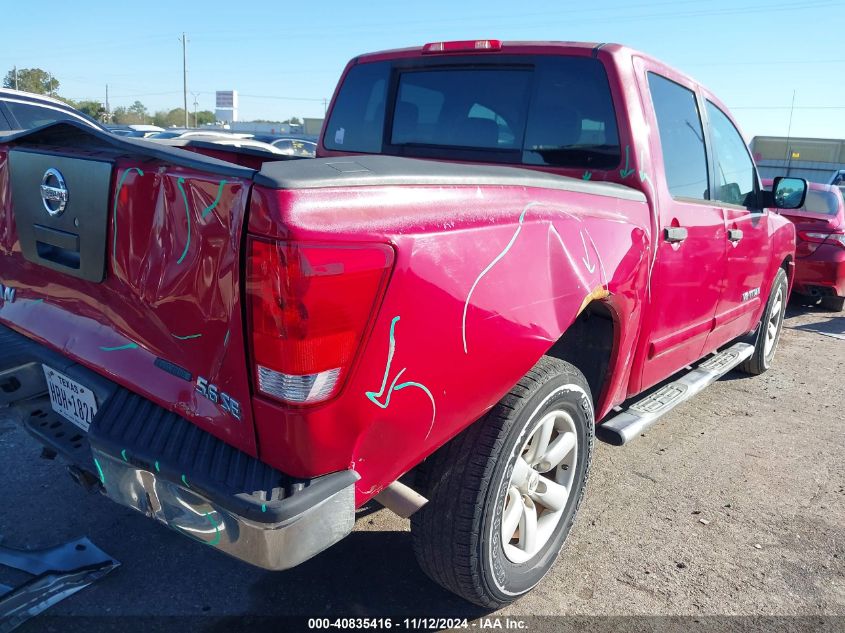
x=789 y=269
x=588 y=344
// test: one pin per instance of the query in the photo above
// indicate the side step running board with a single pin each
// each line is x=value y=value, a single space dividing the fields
x=628 y=424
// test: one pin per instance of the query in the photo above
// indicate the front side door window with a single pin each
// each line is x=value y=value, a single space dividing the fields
x=735 y=175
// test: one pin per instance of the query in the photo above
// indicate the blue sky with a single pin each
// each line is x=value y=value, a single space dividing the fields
x=284 y=58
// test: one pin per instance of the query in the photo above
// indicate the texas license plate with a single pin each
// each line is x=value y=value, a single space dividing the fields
x=70 y=399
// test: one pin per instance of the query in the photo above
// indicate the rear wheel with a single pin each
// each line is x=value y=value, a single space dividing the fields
x=504 y=493
x=836 y=304
x=768 y=332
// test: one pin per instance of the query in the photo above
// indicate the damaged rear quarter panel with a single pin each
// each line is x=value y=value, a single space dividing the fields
x=485 y=280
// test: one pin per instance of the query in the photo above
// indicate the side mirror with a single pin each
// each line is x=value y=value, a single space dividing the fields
x=789 y=193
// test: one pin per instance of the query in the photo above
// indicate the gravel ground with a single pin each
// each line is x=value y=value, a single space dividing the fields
x=734 y=504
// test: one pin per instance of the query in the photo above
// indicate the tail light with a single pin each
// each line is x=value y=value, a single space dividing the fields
x=818 y=238
x=309 y=307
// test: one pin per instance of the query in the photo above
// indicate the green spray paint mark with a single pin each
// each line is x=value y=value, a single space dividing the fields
x=587 y=175
x=264 y=507
x=185 y=338
x=216 y=539
x=158 y=470
x=179 y=184
x=373 y=396
x=38 y=301
x=100 y=470
x=185 y=481
x=123 y=455
x=114 y=210
x=626 y=172
x=120 y=347
x=210 y=208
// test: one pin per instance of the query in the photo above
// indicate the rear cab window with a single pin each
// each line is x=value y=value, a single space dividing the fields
x=534 y=110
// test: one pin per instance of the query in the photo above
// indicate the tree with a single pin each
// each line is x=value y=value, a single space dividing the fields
x=205 y=117
x=169 y=118
x=32 y=80
x=94 y=109
x=119 y=115
x=293 y=121
x=139 y=110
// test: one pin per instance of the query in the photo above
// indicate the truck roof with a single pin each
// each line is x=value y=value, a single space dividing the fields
x=516 y=46
x=519 y=47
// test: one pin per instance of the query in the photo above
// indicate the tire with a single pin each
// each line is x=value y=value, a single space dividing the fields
x=470 y=482
x=833 y=303
x=765 y=344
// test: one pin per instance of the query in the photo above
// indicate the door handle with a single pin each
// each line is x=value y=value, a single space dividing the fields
x=674 y=234
x=734 y=235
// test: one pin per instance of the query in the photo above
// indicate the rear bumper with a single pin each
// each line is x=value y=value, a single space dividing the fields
x=275 y=546
x=822 y=272
x=156 y=462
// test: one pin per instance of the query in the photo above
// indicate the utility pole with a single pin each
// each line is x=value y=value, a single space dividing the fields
x=108 y=111
x=789 y=135
x=325 y=107
x=195 y=95
x=184 y=41
x=16 y=77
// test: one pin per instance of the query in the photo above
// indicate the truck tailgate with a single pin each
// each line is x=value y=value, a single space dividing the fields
x=125 y=256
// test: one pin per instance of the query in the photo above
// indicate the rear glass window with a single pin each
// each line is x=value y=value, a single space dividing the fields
x=481 y=109
x=555 y=111
x=357 y=121
x=825 y=202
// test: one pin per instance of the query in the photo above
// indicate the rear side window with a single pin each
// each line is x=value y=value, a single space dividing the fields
x=543 y=110
x=681 y=138
x=733 y=165
x=30 y=116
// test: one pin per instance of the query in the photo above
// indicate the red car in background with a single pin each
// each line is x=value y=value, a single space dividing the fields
x=820 y=245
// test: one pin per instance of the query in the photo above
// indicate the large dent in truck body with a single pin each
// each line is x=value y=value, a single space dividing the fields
x=552 y=252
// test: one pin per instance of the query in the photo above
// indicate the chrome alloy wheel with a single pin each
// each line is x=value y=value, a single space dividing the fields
x=539 y=486
x=774 y=322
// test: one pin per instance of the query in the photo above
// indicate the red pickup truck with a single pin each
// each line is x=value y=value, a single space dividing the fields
x=501 y=250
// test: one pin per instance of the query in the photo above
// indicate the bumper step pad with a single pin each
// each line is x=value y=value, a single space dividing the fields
x=156 y=462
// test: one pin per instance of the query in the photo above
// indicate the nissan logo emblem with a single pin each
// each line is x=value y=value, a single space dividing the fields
x=54 y=192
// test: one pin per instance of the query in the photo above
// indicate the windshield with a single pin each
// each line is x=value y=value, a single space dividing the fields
x=543 y=110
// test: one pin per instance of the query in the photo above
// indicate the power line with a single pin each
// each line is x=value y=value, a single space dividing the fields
x=815 y=62
x=281 y=98
x=786 y=107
